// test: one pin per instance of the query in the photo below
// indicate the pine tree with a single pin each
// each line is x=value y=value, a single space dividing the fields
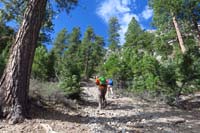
x=70 y=71
x=59 y=46
x=6 y=38
x=190 y=12
x=74 y=44
x=60 y=43
x=15 y=81
x=131 y=36
x=86 y=51
x=113 y=32
x=165 y=14
x=39 y=67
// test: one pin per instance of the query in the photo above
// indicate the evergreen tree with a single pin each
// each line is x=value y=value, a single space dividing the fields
x=70 y=72
x=133 y=31
x=86 y=51
x=6 y=38
x=91 y=53
x=137 y=54
x=39 y=67
x=190 y=13
x=60 y=43
x=113 y=33
x=13 y=10
x=74 y=45
x=165 y=17
x=51 y=61
x=97 y=54
x=59 y=47
x=15 y=79
x=177 y=71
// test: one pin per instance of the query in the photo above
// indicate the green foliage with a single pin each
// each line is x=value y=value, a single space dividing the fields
x=39 y=67
x=4 y=58
x=145 y=73
x=13 y=10
x=132 y=33
x=60 y=43
x=59 y=47
x=111 y=66
x=67 y=59
x=6 y=34
x=51 y=72
x=114 y=28
x=146 y=62
x=177 y=73
x=75 y=59
x=66 y=5
x=91 y=52
x=2 y=64
x=180 y=76
x=69 y=77
x=69 y=83
x=45 y=64
x=163 y=12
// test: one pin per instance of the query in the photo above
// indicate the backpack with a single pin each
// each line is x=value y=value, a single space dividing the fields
x=110 y=82
x=102 y=81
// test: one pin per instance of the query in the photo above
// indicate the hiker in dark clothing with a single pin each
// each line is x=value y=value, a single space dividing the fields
x=102 y=89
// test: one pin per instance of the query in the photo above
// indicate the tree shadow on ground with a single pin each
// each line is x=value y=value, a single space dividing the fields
x=51 y=113
x=88 y=103
x=113 y=106
x=101 y=118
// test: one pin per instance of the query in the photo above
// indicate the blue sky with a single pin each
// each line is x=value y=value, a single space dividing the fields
x=96 y=13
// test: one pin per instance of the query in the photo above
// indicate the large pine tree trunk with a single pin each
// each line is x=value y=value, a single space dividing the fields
x=14 y=84
x=180 y=39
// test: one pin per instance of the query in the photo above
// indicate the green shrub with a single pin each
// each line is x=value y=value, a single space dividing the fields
x=71 y=87
x=39 y=67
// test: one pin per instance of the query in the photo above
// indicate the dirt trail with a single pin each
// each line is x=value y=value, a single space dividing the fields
x=122 y=114
x=134 y=115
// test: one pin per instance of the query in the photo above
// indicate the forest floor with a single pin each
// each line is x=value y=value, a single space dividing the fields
x=123 y=114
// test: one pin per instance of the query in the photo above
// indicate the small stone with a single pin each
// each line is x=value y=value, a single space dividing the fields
x=120 y=128
x=1 y=127
x=143 y=121
x=139 y=125
x=128 y=123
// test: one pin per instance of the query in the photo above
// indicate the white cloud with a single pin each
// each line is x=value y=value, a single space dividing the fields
x=110 y=8
x=147 y=13
x=120 y=9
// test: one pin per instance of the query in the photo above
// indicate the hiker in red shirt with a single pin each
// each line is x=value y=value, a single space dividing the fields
x=102 y=88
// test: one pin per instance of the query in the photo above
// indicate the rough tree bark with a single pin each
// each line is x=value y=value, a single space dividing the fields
x=180 y=39
x=14 y=84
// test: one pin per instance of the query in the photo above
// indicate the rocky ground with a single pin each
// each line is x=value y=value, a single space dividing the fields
x=122 y=114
